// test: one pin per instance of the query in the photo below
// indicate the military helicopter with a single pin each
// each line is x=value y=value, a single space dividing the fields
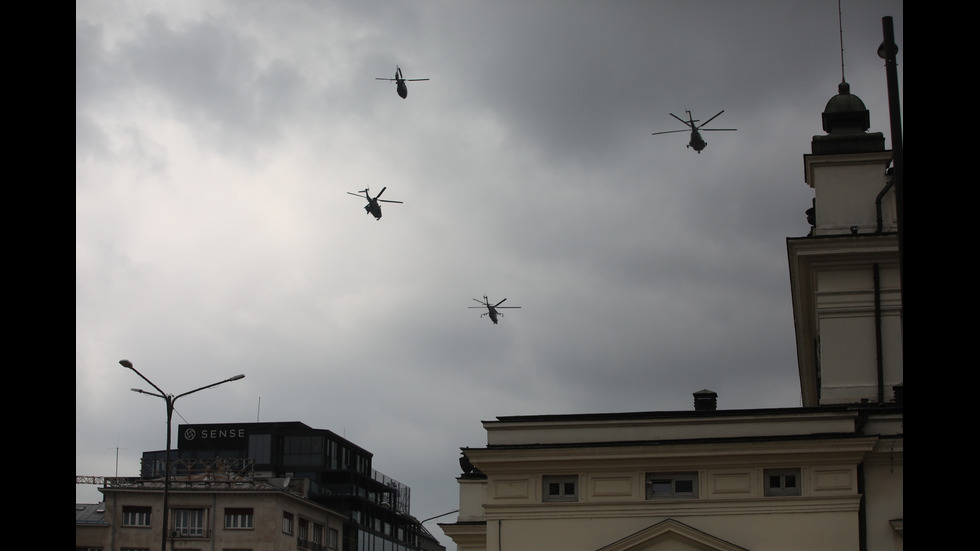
x=697 y=142
x=373 y=207
x=400 y=81
x=491 y=309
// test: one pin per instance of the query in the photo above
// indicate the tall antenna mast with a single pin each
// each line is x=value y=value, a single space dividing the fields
x=840 y=25
x=117 y=453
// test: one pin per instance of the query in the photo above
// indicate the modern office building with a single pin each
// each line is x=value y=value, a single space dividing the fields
x=827 y=475
x=263 y=486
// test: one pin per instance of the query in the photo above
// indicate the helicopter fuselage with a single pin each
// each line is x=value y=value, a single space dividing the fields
x=697 y=142
x=373 y=208
x=401 y=88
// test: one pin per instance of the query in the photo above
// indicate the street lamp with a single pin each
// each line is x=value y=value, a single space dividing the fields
x=437 y=516
x=418 y=542
x=169 y=399
x=887 y=51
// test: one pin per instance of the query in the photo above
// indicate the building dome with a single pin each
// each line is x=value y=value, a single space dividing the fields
x=845 y=112
x=846 y=121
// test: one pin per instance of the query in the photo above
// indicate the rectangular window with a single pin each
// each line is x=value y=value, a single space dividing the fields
x=260 y=448
x=672 y=485
x=238 y=518
x=333 y=455
x=317 y=535
x=136 y=516
x=560 y=488
x=189 y=522
x=782 y=482
x=287 y=523
x=334 y=538
x=304 y=529
x=303 y=450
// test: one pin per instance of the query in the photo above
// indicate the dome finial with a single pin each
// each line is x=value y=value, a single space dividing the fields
x=840 y=26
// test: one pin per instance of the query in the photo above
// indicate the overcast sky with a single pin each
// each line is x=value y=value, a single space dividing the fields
x=215 y=143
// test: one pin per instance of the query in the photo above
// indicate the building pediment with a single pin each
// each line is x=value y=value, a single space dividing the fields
x=671 y=535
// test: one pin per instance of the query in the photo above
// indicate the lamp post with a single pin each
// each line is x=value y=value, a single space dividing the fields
x=418 y=543
x=888 y=51
x=169 y=399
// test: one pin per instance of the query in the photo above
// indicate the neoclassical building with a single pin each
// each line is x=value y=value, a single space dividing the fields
x=824 y=476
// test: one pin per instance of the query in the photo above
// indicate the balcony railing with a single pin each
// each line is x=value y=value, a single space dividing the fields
x=190 y=533
x=309 y=544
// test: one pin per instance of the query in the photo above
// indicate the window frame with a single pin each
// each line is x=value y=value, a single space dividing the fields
x=239 y=518
x=181 y=515
x=562 y=481
x=138 y=513
x=288 y=523
x=672 y=479
x=782 y=476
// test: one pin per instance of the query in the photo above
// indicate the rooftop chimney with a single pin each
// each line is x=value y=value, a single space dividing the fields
x=705 y=400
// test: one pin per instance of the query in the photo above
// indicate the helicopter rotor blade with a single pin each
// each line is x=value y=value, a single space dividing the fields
x=711 y=119
x=499 y=303
x=388 y=201
x=718 y=129
x=414 y=79
x=480 y=301
x=688 y=123
x=358 y=194
x=669 y=132
x=380 y=192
